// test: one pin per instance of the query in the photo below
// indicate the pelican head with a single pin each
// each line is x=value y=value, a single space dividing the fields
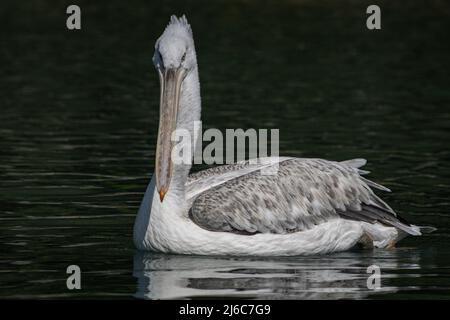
x=174 y=59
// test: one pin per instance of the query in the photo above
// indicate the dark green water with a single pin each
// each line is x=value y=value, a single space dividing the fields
x=78 y=118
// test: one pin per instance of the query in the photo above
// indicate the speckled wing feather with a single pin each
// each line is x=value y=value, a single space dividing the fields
x=204 y=180
x=304 y=193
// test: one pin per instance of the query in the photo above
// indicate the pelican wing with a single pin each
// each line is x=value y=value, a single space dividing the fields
x=303 y=193
x=204 y=180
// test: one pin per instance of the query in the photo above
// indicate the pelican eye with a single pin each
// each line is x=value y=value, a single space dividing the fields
x=159 y=58
x=183 y=57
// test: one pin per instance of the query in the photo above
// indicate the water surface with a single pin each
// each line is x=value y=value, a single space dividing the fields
x=78 y=119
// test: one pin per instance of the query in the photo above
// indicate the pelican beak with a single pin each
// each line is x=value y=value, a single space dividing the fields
x=170 y=81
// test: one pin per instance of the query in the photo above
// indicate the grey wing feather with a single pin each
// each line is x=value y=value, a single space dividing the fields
x=354 y=163
x=304 y=193
x=206 y=179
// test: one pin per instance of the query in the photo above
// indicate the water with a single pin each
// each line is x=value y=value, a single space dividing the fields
x=78 y=121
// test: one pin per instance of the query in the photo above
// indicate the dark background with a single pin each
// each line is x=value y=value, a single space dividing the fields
x=79 y=111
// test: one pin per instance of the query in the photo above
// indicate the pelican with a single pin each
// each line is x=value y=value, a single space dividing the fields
x=311 y=206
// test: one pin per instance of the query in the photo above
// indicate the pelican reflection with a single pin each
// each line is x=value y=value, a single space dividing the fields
x=338 y=276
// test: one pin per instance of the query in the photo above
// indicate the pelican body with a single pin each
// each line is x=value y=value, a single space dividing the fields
x=311 y=206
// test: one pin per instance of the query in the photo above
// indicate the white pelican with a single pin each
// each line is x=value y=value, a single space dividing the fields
x=311 y=206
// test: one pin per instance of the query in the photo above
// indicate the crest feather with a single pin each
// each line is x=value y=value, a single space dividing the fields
x=182 y=22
